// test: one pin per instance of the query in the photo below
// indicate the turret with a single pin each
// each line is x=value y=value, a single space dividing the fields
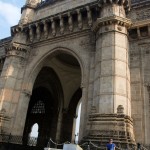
x=28 y=11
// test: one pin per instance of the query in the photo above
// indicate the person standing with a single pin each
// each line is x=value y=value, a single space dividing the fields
x=111 y=145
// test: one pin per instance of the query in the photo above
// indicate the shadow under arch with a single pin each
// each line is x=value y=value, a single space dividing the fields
x=44 y=107
x=30 y=78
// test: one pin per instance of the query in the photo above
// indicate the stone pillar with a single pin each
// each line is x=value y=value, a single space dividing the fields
x=146 y=115
x=21 y=113
x=11 y=82
x=112 y=50
x=28 y=11
x=83 y=117
x=112 y=76
x=59 y=125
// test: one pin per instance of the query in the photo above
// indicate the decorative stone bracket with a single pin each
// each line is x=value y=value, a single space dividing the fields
x=17 y=49
x=112 y=20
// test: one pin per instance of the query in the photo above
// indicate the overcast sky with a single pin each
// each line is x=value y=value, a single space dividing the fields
x=10 y=11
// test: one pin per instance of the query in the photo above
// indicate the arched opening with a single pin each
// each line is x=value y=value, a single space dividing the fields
x=33 y=136
x=55 y=96
x=77 y=122
x=44 y=106
x=34 y=131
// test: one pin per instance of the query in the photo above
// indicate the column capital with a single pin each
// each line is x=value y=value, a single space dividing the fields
x=112 y=20
x=125 y=3
x=17 y=49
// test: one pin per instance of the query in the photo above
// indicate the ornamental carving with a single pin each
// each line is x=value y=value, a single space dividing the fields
x=17 y=49
x=120 y=109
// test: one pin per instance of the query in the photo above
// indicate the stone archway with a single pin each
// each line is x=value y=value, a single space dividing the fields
x=44 y=106
x=60 y=80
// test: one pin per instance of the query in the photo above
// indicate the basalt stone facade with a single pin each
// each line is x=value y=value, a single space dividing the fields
x=63 y=52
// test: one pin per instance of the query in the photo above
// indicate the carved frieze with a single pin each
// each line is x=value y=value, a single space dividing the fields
x=111 y=20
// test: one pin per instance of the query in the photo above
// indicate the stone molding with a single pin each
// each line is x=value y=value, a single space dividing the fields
x=119 y=126
x=98 y=116
x=28 y=28
x=111 y=20
x=17 y=49
x=142 y=23
x=49 y=24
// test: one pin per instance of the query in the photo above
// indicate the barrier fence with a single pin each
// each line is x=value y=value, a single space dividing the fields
x=32 y=144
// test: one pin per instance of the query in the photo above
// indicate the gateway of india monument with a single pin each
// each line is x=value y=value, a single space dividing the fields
x=66 y=52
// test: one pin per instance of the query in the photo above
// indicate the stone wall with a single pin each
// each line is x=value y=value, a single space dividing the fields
x=140 y=70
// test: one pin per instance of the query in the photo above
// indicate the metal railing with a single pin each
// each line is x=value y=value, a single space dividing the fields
x=16 y=143
x=92 y=146
x=31 y=142
x=17 y=139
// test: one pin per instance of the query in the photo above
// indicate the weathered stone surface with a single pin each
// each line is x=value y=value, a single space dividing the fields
x=92 y=46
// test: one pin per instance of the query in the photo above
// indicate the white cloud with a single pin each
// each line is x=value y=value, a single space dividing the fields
x=10 y=13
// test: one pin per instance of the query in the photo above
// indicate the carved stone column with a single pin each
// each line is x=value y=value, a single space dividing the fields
x=11 y=79
x=112 y=77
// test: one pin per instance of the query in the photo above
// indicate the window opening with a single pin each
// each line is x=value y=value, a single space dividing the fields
x=38 y=108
